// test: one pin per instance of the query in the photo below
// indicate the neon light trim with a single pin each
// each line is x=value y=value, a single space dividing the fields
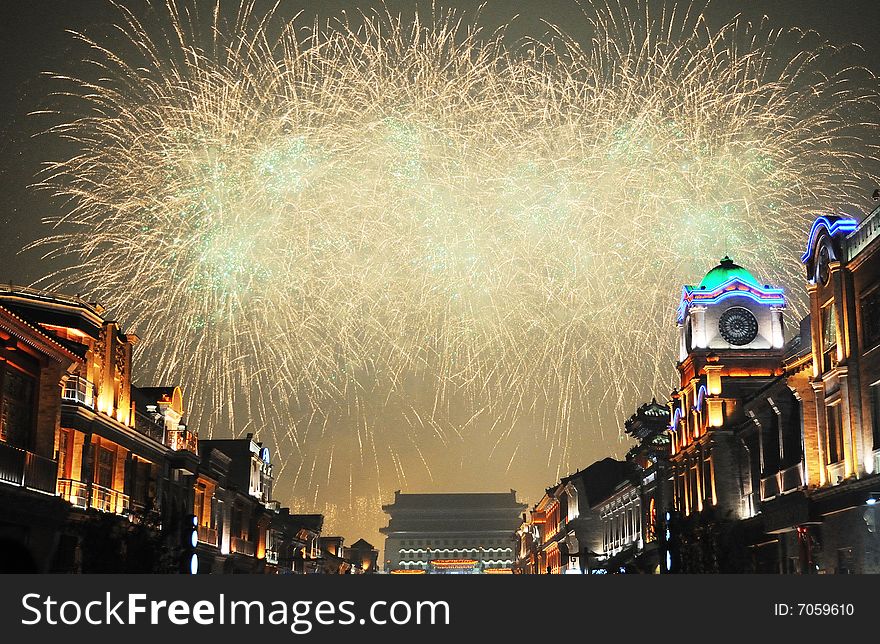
x=733 y=287
x=676 y=417
x=702 y=392
x=844 y=226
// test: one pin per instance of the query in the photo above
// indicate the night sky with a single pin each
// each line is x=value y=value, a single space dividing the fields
x=34 y=40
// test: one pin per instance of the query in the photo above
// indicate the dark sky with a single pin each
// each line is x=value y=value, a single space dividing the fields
x=33 y=40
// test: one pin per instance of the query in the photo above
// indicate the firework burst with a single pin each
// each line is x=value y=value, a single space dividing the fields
x=405 y=251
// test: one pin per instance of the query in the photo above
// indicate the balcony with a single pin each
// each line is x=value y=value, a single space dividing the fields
x=272 y=557
x=80 y=391
x=149 y=427
x=182 y=439
x=787 y=480
x=769 y=487
x=207 y=535
x=102 y=498
x=108 y=500
x=74 y=492
x=26 y=469
x=791 y=478
x=836 y=472
x=242 y=546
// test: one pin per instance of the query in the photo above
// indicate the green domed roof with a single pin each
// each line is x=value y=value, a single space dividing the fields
x=724 y=272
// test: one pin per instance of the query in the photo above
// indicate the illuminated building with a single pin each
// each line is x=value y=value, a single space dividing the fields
x=649 y=426
x=731 y=344
x=843 y=272
x=242 y=529
x=246 y=510
x=819 y=509
x=451 y=533
x=33 y=367
x=803 y=451
x=547 y=517
x=99 y=475
x=633 y=514
x=622 y=521
x=120 y=451
x=331 y=559
x=363 y=556
x=563 y=532
x=295 y=542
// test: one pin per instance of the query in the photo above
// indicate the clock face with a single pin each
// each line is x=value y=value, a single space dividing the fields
x=823 y=272
x=738 y=326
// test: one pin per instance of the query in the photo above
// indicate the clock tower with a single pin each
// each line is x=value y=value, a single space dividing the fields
x=730 y=346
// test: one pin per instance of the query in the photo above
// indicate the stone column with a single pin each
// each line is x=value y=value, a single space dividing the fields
x=48 y=409
x=821 y=420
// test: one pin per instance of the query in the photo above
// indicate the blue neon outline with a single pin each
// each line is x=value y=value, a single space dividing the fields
x=676 y=418
x=846 y=225
x=768 y=295
x=702 y=392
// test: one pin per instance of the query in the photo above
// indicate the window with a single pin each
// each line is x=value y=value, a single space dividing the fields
x=707 y=478
x=791 y=437
x=770 y=436
x=104 y=465
x=834 y=434
x=139 y=489
x=65 y=453
x=199 y=504
x=829 y=337
x=236 y=522
x=870 y=309
x=875 y=413
x=16 y=407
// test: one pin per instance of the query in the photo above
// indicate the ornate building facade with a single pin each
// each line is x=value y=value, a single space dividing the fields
x=767 y=456
x=99 y=475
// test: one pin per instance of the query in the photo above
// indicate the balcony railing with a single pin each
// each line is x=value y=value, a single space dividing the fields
x=79 y=390
x=242 y=546
x=108 y=500
x=74 y=492
x=207 y=535
x=102 y=498
x=183 y=439
x=148 y=427
x=272 y=557
x=769 y=487
x=791 y=478
x=787 y=480
x=40 y=473
x=836 y=472
x=24 y=468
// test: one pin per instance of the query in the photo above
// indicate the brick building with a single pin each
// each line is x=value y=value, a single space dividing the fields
x=33 y=367
x=99 y=475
